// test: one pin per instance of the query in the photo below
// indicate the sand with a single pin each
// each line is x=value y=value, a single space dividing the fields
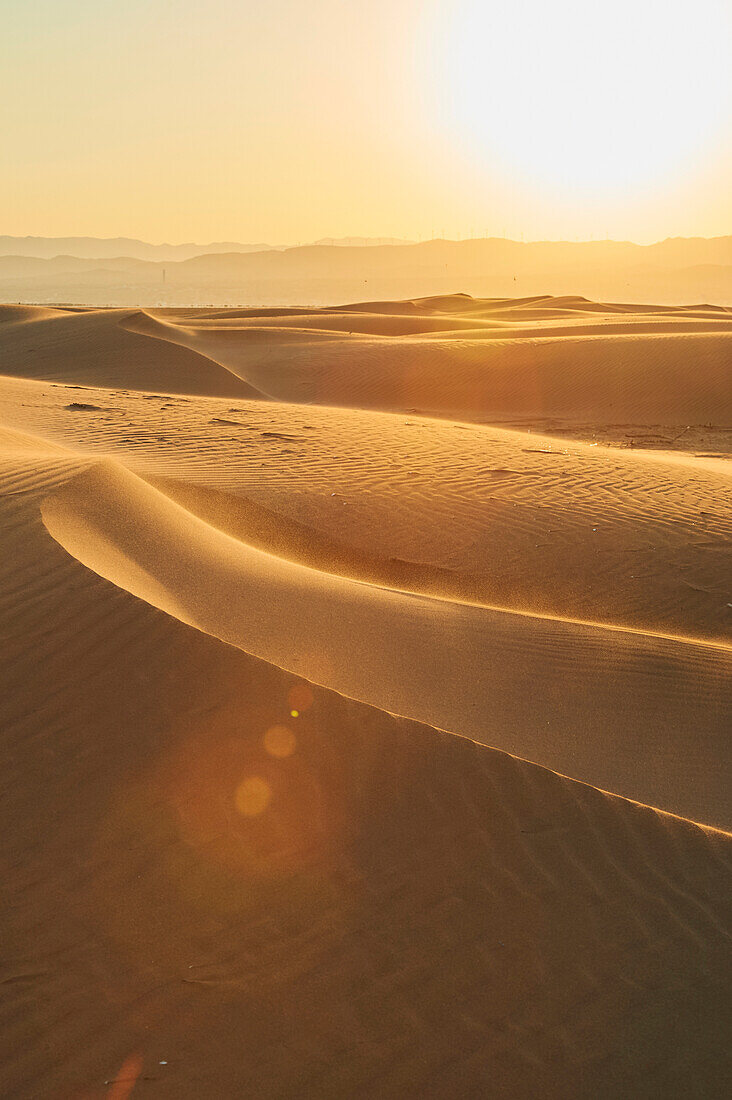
x=366 y=701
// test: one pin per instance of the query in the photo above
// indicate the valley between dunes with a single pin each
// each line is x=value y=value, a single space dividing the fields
x=367 y=700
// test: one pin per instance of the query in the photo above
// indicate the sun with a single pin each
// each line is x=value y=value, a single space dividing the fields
x=583 y=94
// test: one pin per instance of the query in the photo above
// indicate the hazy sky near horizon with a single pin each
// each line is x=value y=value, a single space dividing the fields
x=289 y=121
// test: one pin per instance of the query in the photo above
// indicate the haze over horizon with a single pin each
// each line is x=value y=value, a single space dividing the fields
x=124 y=272
x=402 y=120
x=346 y=240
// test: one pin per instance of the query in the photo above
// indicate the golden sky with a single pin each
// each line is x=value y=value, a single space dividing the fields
x=286 y=121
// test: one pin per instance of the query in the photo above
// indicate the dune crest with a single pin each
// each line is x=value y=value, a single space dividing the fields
x=472 y=359
x=301 y=619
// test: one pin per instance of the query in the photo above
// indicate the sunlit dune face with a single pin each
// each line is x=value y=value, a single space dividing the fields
x=585 y=95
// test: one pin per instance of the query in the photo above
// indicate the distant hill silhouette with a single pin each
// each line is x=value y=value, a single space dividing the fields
x=361 y=242
x=111 y=247
x=99 y=248
x=677 y=270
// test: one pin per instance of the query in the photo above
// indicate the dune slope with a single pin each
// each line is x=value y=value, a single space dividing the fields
x=352 y=753
x=647 y=731
x=91 y=347
x=493 y=360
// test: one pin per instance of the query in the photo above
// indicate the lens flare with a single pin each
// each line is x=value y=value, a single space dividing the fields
x=253 y=796
x=279 y=741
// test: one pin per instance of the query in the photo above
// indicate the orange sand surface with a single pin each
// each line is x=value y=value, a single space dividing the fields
x=366 y=701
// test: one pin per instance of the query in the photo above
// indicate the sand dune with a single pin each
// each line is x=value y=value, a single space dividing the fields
x=650 y=743
x=539 y=360
x=91 y=347
x=320 y=723
x=577 y=371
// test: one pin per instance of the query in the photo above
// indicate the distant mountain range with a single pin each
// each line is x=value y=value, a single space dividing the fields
x=121 y=272
x=360 y=242
x=102 y=248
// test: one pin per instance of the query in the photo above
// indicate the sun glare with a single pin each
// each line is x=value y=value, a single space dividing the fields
x=584 y=95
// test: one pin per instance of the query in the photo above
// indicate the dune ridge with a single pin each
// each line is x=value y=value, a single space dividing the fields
x=91 y=346
x=621 y=374
x=479 y=514
x=457 y=357
x=153 y=548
